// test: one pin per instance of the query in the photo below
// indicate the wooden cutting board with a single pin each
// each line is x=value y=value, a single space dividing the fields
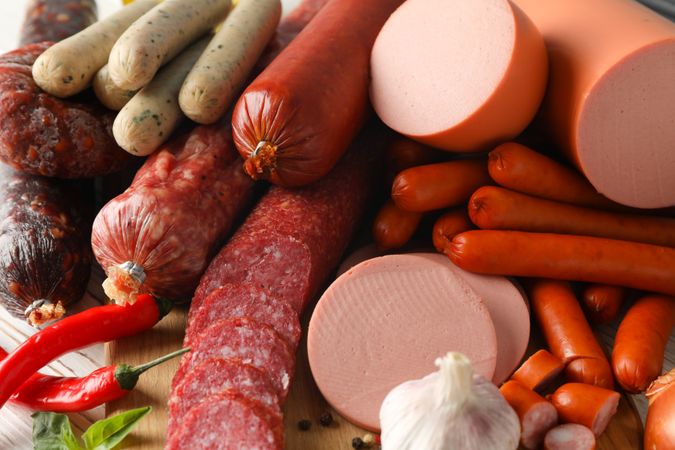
x=304 y=402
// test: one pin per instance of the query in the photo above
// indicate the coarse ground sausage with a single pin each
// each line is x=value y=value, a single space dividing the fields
x=585 y=404
x=566 y=257
x=297 y=118
x=536 y=414
x=393 y=227
x=68 y=67
x=496 y=208
x=158 y=36
x=218 y=75
x=640 y=343
x=153 y=113
x=567 y=332
x=44 y=135
x=191 y=190
x=449 y=225
x=440 y=185
x=602 y=301
x=539 y=370
x=54 y=20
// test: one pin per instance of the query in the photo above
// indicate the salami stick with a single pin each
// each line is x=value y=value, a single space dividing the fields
x=566 y=257
x=567 y=332
x=640 y=344
x=585 y=404
x=54 y=20
x=602 y=301
x=495 y=208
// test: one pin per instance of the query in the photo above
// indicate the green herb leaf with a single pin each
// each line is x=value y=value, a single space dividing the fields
x=52 y=431
x=107 y=433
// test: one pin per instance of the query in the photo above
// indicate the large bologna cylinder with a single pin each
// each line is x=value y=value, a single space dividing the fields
x=611 y=94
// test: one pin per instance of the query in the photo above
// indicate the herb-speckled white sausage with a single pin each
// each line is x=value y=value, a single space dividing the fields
x=223 y=67
x=158 y=36
x=68 y=67
x=153 y=113
x=108 y=93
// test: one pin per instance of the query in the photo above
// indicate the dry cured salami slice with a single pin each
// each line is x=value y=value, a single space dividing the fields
x=228 y=421
x=216 y=375
x=245 y=300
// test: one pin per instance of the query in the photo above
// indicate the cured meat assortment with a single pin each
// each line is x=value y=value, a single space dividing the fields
x=53 y=20
x=191 y=190
x=309 y=227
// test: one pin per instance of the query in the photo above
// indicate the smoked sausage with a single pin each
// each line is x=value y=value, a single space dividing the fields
x=539 y=370
x=404 y=153
x=569 y=436
x=54 y=20
x=536 y=414
x=567 y=332
x=496 y=208
x=602 y=301
x=297 y=118
x=566 y=257
x=449 y=225
x=640 y=344
x=585 y=404
x=436 y=186
x=393 y=227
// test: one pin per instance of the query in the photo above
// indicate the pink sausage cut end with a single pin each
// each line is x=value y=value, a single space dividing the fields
x=384 y=322
x=569 y=436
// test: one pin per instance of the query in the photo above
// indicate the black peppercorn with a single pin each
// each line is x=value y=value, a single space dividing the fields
x=304 y=424
x=358 y=443
x=326 y=419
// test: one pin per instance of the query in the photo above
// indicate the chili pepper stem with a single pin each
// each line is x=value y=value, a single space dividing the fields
x=127 y=376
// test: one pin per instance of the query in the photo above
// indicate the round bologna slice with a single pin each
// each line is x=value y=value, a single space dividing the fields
x=384 y=322
x=510 y=315
x=215 y=375
x=228 y=421
x=246 y=300
x=458 y=75
x=255 y=343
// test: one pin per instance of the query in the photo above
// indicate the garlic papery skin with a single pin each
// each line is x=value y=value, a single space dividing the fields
x=451 y=409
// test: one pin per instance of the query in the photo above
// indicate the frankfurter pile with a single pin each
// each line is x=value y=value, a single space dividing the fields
x=222 y=98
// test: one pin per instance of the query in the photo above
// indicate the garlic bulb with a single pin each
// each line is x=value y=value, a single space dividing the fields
x=452 y=409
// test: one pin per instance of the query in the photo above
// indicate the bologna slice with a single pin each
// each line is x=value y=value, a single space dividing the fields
x=216 y=375
x=384 y=322
x=458 y=75
x=246 y=300
x=228 y=421
x=611 y=97
x=255 y=343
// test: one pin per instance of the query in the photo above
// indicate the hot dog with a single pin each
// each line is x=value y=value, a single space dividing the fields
x=585 y=404
x=217 y=76
x=496 y=208
x=393 y=227
x=404 y=153
x=539 y=370
x=569 y=436
x=449 y=225
x=567 y=332
x=108 y=93
x=158 y=36
x=68 y=67
x=436 y=186
x=640 y=344
x=280 y=129
x=536 y=414
x=522 y=169
x=149 y=118
x=565 y=257
x=602 y=301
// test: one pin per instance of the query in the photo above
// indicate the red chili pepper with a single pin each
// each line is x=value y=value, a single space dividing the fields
x=95 y=325
x=73 y=394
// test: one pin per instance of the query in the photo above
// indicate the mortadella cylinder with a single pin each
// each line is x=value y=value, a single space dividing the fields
x=611 y=95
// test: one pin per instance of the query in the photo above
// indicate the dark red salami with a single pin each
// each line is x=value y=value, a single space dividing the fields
x=228 y=421
x=44 y=135
x=294 y=238
x=253 y=342
x=245 y=300
x=215 y=375
x=159 y=234
x=54 y=20
x=44 y=246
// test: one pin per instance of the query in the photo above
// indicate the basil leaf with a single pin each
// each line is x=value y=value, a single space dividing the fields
x=52 y=431
x=107 y=433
